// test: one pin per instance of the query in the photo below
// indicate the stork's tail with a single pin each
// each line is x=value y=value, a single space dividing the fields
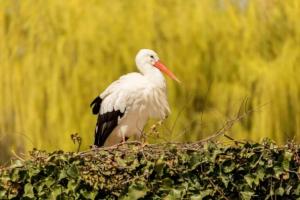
x=98 y=134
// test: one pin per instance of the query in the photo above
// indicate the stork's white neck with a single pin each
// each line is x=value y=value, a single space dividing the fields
x=154 y=75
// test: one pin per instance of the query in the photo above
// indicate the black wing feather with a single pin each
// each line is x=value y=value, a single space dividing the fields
x=105 y=125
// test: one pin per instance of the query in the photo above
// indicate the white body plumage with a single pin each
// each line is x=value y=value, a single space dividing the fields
x=125 y=106
x=139 y=99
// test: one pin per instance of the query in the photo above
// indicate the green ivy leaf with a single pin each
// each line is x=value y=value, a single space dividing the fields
x=249 y=179
x=88 y=194
x=55 y=192
x=3 y=193
x=195 y=161
x=297 y=190
x=121 y=162
x=228 y=166
x=206 y=193
x=159 y=166
x=62 y=174
x=73 y=171
x=15 y=175
x=33 y=172
x=286 y=160
x=167 y=184
x=136 y=191
x=280 y=191
x=134 y=164
x=278 y=171
x=225 y=180
x=173 y=195
x=196 y=197
x=49 y=181
x=260 y=174
x=28 y=191
x=72 y=185
x=247 y=195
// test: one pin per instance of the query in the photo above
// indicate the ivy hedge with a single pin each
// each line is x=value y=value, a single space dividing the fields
x=169 y=171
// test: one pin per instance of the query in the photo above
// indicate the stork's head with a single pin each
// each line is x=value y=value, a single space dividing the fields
x=147 y=60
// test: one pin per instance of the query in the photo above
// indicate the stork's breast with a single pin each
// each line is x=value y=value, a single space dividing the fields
x=157 y=104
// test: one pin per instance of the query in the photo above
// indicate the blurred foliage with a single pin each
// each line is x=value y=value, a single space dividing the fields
x=169 y=171
x=56 y=56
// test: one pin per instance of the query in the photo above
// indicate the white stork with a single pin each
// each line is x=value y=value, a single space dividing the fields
x=125 y=106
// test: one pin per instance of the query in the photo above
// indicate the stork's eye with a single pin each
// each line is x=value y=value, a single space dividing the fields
x=152 y=56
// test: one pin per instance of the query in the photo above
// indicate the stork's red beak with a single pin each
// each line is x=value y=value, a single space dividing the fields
x=165 y=70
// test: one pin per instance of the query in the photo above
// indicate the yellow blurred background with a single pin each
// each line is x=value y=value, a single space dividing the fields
x=56 y=56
